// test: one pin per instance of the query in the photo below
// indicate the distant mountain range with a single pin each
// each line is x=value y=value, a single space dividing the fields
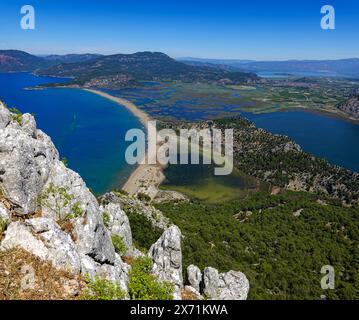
x=344 y=67
x=144 y=66
x=119 y=69
x=15 y=60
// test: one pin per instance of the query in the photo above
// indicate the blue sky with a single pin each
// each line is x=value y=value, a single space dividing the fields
x=250 y=29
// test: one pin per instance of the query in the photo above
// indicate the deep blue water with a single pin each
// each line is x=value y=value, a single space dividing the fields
x=87 y=129
x=334 y=139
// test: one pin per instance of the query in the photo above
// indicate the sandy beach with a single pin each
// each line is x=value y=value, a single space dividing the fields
x=146 y=178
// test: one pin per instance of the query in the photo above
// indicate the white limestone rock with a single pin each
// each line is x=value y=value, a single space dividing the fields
x=92 y=238
x=25 y=165
x=231 y=285
x=194 y=276
x=118 y=223
x=166 y=254
x=44 y=238
x=4 y=213
x=118 y=273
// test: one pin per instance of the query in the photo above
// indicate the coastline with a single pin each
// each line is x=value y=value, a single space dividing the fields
x=145 y=178
x=137 y=112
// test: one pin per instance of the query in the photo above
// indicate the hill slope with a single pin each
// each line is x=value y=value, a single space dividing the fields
x=144 y=66
x=14 y=60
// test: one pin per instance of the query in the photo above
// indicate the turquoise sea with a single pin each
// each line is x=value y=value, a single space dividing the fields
x=87 y=129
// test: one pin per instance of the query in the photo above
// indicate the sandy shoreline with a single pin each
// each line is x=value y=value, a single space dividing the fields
x=145 y=178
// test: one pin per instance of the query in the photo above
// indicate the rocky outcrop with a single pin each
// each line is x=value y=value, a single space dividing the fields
x=118 y=223
x=134 y=205
x=194 y=276
x=43 y=238
x=167 y=258
x=25 y=166
x=34 y=180
x=231 y=285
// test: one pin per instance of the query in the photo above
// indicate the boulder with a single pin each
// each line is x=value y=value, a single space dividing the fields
x=194 y=276
x=118 y=273
x=166 y=254
x=25 y=164
x=231 y=285
x=29 y=125
x=118 y=223
x=4 y=213
x=92 y=238
x=44 y=238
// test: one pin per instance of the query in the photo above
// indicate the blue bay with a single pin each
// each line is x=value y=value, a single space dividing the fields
x=87 y=129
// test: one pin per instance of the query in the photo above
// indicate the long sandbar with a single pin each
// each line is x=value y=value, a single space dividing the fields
x=145 y=178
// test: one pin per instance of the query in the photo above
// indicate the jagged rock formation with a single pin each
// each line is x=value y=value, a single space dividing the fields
x=166 y=254
x=231 y=285
x=44 y=238
x=194 y=276
x=52 y=215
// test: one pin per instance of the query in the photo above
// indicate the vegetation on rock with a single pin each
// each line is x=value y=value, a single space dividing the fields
x=144 y=285
x=102 y=289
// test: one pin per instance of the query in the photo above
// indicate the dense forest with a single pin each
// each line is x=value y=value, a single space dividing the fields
x=280 y=242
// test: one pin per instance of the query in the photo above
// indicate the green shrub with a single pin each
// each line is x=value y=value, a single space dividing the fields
x=120 y=192
x=119 y=244
x=3 y=225
x=144 y=197
x=102 y=289
x=16 y=115
x=65 y=161
x=77 y=211
x=61 y=200
x=145 y=286
x=106 y=219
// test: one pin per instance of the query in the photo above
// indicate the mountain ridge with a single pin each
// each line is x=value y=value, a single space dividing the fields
x=348 y=66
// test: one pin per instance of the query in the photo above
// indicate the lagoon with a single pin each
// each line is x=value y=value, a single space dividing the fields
x=324 y=136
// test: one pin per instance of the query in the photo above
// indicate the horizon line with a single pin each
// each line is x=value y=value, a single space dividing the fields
x=187 y=57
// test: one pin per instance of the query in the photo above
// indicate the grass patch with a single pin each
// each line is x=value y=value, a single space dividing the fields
x=16 y=267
